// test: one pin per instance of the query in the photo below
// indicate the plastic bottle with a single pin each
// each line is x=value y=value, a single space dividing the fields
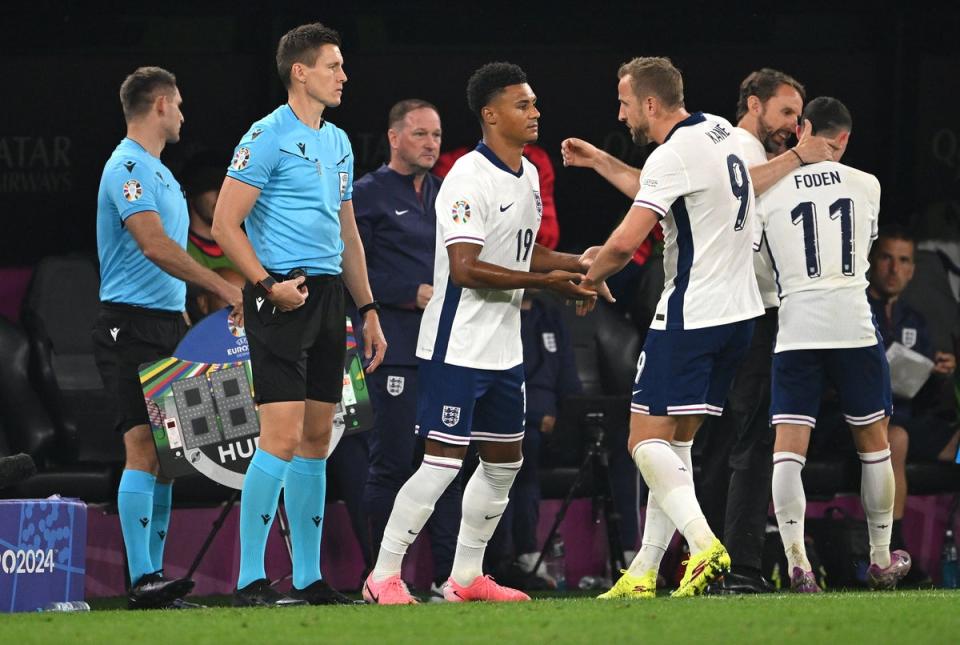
x=948 y=562
x=70 y=605
x=556 y=563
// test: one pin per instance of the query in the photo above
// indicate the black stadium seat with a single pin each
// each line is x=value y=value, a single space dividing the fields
x=26 y=427
x=59 y=311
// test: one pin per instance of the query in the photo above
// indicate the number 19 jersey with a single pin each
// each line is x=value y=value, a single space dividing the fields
x=483 y=202
x=819 y=223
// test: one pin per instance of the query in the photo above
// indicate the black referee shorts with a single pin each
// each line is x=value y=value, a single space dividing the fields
x=124 y=337
x=297 y=355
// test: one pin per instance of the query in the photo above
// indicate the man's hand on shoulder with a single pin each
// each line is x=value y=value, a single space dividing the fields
x=812 y=148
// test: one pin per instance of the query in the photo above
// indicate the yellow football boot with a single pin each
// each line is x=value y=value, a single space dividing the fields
x=630 y=587
x=702 y=569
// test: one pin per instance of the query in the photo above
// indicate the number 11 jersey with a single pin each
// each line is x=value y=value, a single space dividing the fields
x=482 y=201
x=819 y=223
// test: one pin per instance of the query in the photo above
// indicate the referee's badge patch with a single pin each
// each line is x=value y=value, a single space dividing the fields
x=550 y=342
x=909 y=337
x=395 y=385
x=132 y=190
x=344 y=178
x=240 y=159
x=450 y=416
x=460 y=212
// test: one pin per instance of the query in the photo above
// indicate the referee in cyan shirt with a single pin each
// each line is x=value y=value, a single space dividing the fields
x=142 y=225
x=291 y=180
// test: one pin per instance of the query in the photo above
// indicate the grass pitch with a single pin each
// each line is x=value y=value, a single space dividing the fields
x=909 y=617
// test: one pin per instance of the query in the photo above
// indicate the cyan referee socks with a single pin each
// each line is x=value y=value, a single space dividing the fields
x=135 y=507
x=304 y=497
x=258 y=506
x=159 y=525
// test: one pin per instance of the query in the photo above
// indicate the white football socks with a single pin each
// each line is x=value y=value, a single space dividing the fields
x=657 y=527
x=485 y=498
x=411 y=510
x=671 y=483
x=790 y=506
x=876 y=494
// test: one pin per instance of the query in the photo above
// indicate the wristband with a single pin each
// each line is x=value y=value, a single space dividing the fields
x=802 y=162
x=372 y=306
x=265 y=286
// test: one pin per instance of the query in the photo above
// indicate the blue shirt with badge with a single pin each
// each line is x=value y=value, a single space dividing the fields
x=398 y=228
x=134 y=181
x=303 y=175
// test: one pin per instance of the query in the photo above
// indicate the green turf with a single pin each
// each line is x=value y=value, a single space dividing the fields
x=908 y=617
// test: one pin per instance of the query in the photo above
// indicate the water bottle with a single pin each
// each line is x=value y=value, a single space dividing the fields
x=948 y=561
x=556 y=563
x=70 y=605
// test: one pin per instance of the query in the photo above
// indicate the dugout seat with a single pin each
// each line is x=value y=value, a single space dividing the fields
x=59 y=312
x=606 y=346
x=27 y=428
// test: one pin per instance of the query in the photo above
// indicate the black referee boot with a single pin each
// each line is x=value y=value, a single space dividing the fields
x=259 y=593
x=320 y=593
x=742 y=582
x=153 y=591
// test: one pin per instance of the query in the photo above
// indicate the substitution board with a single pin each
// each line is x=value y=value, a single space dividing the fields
x=201 y=402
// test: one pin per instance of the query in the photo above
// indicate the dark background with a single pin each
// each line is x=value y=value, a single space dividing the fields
x=62 y=62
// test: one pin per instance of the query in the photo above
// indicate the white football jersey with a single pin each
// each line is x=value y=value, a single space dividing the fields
x=698 y=184
x=819 y=222
x=754 y=155
x=481 y=202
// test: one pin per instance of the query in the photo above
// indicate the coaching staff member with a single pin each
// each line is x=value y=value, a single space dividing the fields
x=142 y=224
x=291 y=180
x=397 y=219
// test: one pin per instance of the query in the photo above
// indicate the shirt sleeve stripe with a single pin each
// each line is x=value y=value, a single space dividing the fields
x=469 y=239
x=656 y=208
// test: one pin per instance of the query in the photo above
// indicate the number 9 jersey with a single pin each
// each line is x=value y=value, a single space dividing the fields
x=483 y=202
x=819 y=223
x=697 y=183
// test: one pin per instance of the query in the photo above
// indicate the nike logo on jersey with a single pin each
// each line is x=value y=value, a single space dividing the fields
x=130 y=165
x=403 y=212
x=114 y=332
x=303 y=148
x=412 y=532
x=503 y=208
x=259 y=303
x=490 y=517
x=637 y=391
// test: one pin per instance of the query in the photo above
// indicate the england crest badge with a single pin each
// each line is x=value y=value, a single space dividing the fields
x=450 y=416
x=395 y=385
x=550 y=342
x=909 y=337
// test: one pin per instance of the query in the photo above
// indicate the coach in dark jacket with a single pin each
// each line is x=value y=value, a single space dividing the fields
x=397 y=222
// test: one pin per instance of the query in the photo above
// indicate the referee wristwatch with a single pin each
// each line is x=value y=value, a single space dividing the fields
x=372 y=306
x=265 y=286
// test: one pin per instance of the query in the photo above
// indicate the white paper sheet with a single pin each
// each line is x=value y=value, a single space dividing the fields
x=909 y=370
